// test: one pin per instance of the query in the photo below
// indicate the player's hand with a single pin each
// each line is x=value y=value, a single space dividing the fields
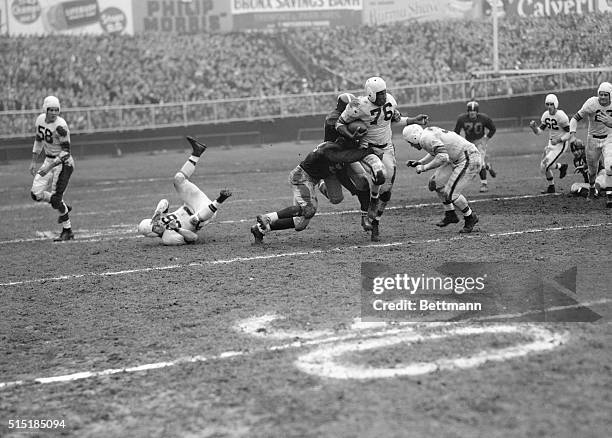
x=533 y=124
x=359 y=134
x=63 y=155
x=61 y=131
x=422 y=119
x=412 y=163
x=419 y=168
x=194 y=220
x=33 y=168
x=172 y=225
x=44 y=170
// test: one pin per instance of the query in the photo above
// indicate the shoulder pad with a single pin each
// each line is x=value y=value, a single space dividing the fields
x=391 y=99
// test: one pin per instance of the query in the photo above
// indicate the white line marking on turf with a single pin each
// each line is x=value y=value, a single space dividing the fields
x=324 y=361
x=304 y=253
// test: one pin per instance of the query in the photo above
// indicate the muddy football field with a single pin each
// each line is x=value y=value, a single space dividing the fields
x=115 y=335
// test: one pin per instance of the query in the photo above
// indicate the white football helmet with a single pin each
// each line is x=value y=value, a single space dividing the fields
x=551 y=98
x=605 y=87
x=51 y=102
x=412 y=134
x=145 y=227
x=373 y=86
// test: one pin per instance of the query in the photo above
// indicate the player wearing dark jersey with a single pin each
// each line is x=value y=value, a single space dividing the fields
x=319 y=164
x=473 y=123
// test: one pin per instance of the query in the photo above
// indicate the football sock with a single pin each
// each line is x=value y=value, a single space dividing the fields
x=283 y=224
x=273 y=217
x=66 y=225
x=364 y=200
x=287 y=212
x=189 y=166
x=483 y=176
x=460 y=202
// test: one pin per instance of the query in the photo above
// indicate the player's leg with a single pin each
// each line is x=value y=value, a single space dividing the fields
x=384 y=197
x=331 y=188
x=361 y=182
x=296 y=216
x=376 y=169
x=607 y=162
x=436 y=184
x=593 y=153
x=481 y=145
x=61 y=177
x=460 y=176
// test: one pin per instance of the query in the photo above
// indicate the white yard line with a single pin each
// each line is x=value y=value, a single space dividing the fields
x=304 y=253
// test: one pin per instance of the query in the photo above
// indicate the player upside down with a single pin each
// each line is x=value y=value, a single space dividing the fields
x=181 y=226
x=327 y=158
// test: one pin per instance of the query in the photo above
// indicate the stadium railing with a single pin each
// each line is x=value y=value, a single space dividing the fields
x=137 y=117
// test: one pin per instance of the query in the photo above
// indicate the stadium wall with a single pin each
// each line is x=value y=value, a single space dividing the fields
x=516 y=111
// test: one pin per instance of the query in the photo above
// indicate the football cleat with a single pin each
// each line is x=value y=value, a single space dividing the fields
x=484 y=188
x=198 y=147
x=64 y=217
x=492 y=172
x=65 y=235
x=550 y=189
x=592 y=193
x=562 y=171
x=223 y=195
x=608 y=201
x=263 y=222
x=375 y=236
x=450 y=217
x=257 y=234
x=470 y=222
x=366 y=224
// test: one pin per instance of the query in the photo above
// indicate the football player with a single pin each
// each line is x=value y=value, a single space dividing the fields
x=457 y=161
x=580 y=165
x=304 y=179
x=473 y=123
x=51 y=179
x=377 y=109
x=556 y=121
x=598 y=110
x=181 y=226
x=352 y=176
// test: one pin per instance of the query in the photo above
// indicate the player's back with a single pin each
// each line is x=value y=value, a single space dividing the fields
x=47 y=134
x=592 y=108
x=555 y=123
x=437 y=140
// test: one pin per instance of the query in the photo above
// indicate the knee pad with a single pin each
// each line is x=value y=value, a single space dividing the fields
x=179 y=178
x=379 y=178
x=385 y=197
x=308 y=211
x=56 y=201
x=432 y=185
x=36 y=197
x=300 y=223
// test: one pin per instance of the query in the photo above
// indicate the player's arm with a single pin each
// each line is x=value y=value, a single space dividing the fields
x=491 y=127
x=414 y=163
x=459 y=125
x=188 y=235
x=36 y=150
x=537 y=130
x=337 y=154
x=439 y=158
x=421 y=119
x=64 y=155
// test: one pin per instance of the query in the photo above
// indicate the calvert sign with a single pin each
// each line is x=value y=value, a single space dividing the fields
x=251 y=6
x=549 y=8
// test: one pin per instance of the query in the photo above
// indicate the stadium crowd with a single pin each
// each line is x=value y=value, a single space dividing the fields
x=99 y=70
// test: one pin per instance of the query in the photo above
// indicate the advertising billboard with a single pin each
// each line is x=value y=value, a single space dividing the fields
x=37 y=17
x=182 y=16
x=549 y=8
x=390 y=11
x=261 y=14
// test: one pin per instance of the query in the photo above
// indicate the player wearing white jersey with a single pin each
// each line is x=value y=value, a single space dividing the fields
x=557 y=122
x=598 y=110
x=181 y=226
x=378 y=109
x=457 y=161
x=51 y=179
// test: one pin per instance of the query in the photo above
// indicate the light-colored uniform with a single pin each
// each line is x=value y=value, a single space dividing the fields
x=557 y=125
x=462 y=159
x=378 y=120
x=195 y=201
x=49 y=141
x=599 y=137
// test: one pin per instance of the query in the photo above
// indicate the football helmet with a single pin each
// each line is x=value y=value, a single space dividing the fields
x=376 y=89
x=412 y=134
x=472 y=106
x=343 y=101
x=605 y=87
x=51 y=102
x=551 y=98
x=145 y=227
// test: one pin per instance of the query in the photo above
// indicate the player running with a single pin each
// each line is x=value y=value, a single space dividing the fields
x=180 y=226
x=51 y=179
x=377 y=109
x=457 y=161
x=557 y=122
x=473 y=124
x=598 y=110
